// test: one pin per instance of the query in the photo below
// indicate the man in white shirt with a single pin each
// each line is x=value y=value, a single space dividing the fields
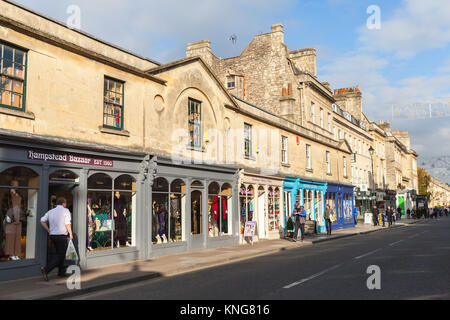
x=60 y=230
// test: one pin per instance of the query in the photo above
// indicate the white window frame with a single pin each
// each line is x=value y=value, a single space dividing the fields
x=313 y=113
x=308 y=156
x=329 y=122
x=284 y=149
x=327 y=159
x=321 y=118
x=345 y=167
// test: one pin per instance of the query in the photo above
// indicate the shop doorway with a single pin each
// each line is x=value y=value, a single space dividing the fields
x=64 y=183
x=197 y=223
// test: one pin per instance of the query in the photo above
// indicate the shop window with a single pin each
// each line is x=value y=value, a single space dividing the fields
x=274 y=209
x=197 y=184
x=196 y=212
x=168 y=211
x=307 y=200
x=217 y=207
x=18 y=211
x=12 y=77
x=111 y=212
x=247 y=205
x=113 y=107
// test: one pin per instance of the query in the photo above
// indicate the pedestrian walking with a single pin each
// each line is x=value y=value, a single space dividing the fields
x=355 y=215
x=399 y=214
x=300 y=220
x=60 y=230
x=375 y=213
x=408 y=213
x=390 y=215
x=328 y=221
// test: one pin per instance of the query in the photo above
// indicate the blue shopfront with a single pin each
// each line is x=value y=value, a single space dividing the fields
x=340 y=199
x=310 y=194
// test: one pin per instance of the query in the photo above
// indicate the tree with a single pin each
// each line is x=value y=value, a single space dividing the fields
x=424 y=178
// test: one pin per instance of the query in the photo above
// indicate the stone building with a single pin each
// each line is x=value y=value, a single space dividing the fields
x=284 y=83
x=168 y=144
x=440 y=193
x=401 y=178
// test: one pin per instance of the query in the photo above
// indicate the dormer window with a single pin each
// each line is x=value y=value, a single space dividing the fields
x=231 y=82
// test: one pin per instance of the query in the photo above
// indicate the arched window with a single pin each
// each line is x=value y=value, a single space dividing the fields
x=18 y=211
x=111 y=210
x=160 y=211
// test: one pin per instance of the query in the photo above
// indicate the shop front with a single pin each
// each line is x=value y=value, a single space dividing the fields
x=364 y=202
x=103 y=190
x=260 y=201
x=310 y=194
x=341 y=199
x=192 y=207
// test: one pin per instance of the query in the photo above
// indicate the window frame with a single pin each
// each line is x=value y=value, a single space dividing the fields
x=284 y=150
x=308 y=157
x=199 y=124
x=13 y=77
x=248 y=151
x=328 y=161
x=122 y=106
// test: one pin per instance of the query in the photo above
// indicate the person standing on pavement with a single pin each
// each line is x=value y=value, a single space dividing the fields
x=408 y=213
x=60 y=230
x=390 y=215
x=328 y=222
x=375 y=213
x=399 y=213
x=300 y=220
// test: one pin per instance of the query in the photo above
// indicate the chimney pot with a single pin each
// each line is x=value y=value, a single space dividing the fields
x=284 y=92
x=290 y=89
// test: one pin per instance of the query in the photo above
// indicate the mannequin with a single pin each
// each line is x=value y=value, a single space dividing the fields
x=162 y=215
x=195 y=213
x=13 y=230
x=90 y=225
x=120 y=220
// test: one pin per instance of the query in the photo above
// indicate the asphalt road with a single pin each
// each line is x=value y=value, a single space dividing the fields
x=414 y=263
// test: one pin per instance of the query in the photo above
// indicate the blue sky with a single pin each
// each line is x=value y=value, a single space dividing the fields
x=405 y=63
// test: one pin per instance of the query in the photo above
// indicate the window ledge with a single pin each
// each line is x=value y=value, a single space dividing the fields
x=123 y=133
x=249 y=158
x=287 y=165
x=329 y=174
x=201 y=149
x=309 y=170
x=17 y=113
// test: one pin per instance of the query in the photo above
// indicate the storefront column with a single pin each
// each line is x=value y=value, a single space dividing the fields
x=41 y=234
x=81 y=216
x=313 y=209
x=188 y=219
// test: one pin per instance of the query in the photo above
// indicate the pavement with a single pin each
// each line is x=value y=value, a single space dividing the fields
x=107 y=277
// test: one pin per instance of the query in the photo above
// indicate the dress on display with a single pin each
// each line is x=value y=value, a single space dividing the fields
x=90 y=224
x=161 y=214
x=13 y=231
x=121 y=225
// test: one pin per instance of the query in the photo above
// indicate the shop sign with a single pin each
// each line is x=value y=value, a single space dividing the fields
x=68 y=158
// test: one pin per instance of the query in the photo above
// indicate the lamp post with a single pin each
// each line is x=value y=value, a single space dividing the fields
x=371 y=151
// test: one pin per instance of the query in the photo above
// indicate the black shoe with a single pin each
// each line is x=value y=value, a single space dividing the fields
x=44 y=274
x=64 y=275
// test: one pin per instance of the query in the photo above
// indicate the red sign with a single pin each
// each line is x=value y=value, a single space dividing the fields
x=68 y=158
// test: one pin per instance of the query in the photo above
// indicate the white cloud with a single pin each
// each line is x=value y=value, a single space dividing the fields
x=415 y=27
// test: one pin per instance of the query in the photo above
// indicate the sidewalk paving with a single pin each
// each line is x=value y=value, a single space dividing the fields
x=101 y=278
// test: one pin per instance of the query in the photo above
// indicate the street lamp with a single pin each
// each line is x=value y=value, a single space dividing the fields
x=371 y=151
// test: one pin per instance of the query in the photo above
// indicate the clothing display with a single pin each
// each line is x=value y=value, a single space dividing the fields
x=13 y=230
x=161 y=214
x=120 y=219
x=90 y=224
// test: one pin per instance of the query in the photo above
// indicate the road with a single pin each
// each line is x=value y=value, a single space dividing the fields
x=414 y=262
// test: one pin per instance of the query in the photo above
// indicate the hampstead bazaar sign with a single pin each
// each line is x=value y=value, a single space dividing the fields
x=68 y=158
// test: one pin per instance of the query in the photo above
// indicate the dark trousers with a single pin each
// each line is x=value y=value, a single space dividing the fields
x=328 y=225
x=299 y=226
x=60 y=243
